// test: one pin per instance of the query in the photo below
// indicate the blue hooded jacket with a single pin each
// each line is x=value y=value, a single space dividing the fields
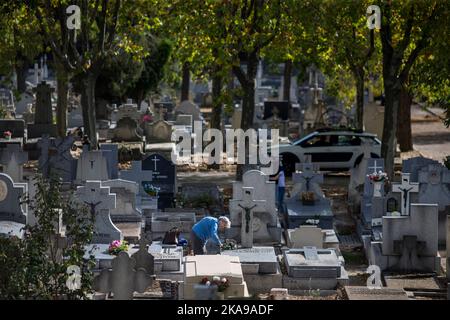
x=207 y=229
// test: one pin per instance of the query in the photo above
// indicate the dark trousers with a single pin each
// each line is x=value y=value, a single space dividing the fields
x=197 y=245
x=280 y=198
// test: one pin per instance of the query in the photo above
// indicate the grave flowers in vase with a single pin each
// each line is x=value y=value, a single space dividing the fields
x=7 y=135
x=222 y=284
x=308 y=198
x=378 y=179
x=117 y=246
x=151 y=190
x=229 y=244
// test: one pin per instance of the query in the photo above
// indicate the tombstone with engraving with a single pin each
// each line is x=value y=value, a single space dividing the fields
x=56 y=159
x=164 y=175
x=13 y=214
x=92 y=165
x=100 y=201
x=43 y=118
x=147 y=197
x=307 y=201
x=255 y=188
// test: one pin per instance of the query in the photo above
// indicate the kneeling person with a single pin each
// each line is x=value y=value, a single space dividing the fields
x=207 y=229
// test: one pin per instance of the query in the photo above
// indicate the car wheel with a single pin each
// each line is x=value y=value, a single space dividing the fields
x=289 y=160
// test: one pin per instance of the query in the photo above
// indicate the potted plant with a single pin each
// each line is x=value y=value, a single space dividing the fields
x=117 y=246
x=7 y=135
x=378 y=179
x=308 y=198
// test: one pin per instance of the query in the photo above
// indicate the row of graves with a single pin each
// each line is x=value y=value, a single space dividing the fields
x=403 y=226
x=126 y=205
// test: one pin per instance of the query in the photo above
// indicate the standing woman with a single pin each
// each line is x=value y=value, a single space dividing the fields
x=281 y=188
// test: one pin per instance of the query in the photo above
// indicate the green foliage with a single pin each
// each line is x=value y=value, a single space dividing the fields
x=35 y=267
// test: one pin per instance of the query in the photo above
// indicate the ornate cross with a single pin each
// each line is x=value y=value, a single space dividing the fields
x=405 y=188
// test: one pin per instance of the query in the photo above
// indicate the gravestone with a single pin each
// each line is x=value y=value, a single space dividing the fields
x=411 y=241
x=405 y=188
x=17 y=129
x=56 y=159
x=310 y=268
x=209 y=266
x=127 y=124
x=164 y=177
x=164 y=221
x=100 y=201
x=208 y=192
x=144 y=179
x=43 y=118
x=413 y=165
x=126 y=192
x=248 y=206
x=265 y=225
x=12 y=159
x=28 y=115
x=299 y=212
x=127 y=130
x=92 y=165
x=184 y=120
x=168 y=260
x=124 y=279
x=111 y=153
x=307 y=236
x=159 y=131
x=12 y=215
x=187 y=107
x=434 y=187
x=263 y=257
x=143 y=258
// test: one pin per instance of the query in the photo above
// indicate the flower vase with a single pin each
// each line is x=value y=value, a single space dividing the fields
x=220 y=295
x=377 y=186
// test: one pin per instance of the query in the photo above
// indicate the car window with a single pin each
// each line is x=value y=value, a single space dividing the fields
x=317 y=141
x=346 y=140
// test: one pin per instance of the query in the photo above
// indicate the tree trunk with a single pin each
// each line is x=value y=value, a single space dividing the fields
x=389 y=143
x=287 y=80
x=185 y=82
x=88 y=108
x=359 y=77
x=62 y=80
x=21 y=72
x=217 y=105
x=404 y=135
x=247 y=82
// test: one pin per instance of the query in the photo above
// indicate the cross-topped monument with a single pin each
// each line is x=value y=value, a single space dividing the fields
x=248 y=206
x=375 y=165
x=137 y=174
x=405 y=188
x=12 y=159
x=308 y=179
x=100 y=201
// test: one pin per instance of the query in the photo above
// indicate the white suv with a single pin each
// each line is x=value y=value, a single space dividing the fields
x=330 y=149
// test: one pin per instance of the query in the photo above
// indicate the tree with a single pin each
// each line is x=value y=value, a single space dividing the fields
x=36 y=267
x=406 y=30
x=106 y=26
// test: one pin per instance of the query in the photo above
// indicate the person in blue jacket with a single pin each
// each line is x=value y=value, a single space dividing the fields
x=207 y=229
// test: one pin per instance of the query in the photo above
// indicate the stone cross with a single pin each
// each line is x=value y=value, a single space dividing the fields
x=10 y=200
x=143 y=258
x=309 y=179
x=56 y=157
x=100 y=201
x=248 y=206
x=434 y=186
x=405 y=188
x=124 y=279
x=12 y=159
x=375 y=168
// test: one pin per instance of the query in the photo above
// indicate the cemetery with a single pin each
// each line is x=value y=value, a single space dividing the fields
x=130 y=167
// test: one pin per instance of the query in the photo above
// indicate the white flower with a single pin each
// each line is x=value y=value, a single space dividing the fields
x=216 y=278
x=208 y=283
x=224 y=280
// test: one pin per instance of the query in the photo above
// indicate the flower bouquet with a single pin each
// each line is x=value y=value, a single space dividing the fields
x=117 y=246
x=7 y=135
x=229 y=245
x=308 y=198
x=379 y=176
x=151 y=190
x=222 y=284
